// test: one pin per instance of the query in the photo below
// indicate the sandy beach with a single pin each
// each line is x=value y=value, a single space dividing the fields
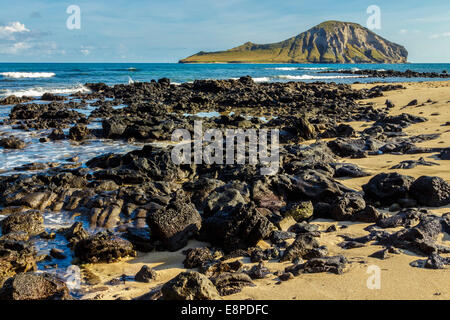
x=399 y=280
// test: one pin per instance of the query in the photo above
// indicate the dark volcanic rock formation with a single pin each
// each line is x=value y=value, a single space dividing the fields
x=103 y=247
x=29 y=286
x=190 y=286
x=175 y=223
x=393 y=74
x=144 y=197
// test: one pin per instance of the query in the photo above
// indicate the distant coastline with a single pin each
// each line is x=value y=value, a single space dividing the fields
x=269 y=62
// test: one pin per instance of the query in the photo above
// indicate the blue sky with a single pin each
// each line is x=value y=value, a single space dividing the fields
x=166 y=31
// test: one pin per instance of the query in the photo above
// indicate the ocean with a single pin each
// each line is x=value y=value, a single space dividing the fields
x=34 y=79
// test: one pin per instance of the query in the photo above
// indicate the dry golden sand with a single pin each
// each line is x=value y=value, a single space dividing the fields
x=398 y=279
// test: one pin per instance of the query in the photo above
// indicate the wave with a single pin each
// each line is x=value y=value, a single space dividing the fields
x=309 y=77
x=297 y=68
x=261 y=79
x=316 y=68
x=352 y=69
x=283 y=68
x=21 y=75
x=39 y=91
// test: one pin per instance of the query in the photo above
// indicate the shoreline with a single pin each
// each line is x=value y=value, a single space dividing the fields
x=400 y=281
x=433 y=104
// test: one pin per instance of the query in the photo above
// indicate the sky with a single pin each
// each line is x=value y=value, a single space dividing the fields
x=169 y=30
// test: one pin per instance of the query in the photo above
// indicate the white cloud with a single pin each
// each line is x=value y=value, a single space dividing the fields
x=7 y=31
x=12 y=43
x=15 y=48
x=403 y=31
x=46 y=47
x=440 y=35
x=86 y=50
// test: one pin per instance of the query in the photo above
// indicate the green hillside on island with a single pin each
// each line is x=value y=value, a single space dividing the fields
x=328 y=42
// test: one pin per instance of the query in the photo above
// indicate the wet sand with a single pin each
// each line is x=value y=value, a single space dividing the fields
x=398 y=279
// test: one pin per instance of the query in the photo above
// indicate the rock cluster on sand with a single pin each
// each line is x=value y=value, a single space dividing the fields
x=103 y=247
x=147 y=202
x=393 y=187
x=190 y=286
x=28 y=286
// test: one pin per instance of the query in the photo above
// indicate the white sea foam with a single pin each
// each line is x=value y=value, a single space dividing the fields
x=297 y=68
x=352 y=69
x=55 y=151
x=39 y=91
x=57 y=219
x=22 y=75
x=310 y=77
x=317 y=68
x=262 y=79
x=283 y=68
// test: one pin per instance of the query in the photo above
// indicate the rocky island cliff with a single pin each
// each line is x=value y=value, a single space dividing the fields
x=328 y=42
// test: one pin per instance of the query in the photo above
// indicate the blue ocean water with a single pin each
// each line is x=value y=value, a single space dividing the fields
x=34 y=79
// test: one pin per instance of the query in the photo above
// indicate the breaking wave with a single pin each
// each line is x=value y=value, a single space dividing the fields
x=262 y=79
x=283 y=68
x=309 y=77
x=297 y=68
x=39 y=91
x=24 y=75
x=317 y=68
